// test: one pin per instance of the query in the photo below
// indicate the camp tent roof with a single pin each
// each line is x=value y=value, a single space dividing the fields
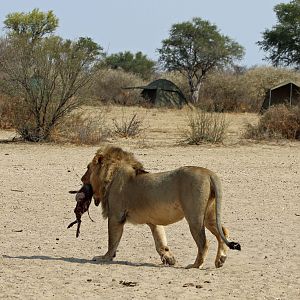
x=283 y=84
x=162 y=84
x=162 y=92
x=287 y=92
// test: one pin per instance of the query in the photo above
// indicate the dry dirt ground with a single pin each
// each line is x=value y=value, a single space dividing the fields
x=40 y=258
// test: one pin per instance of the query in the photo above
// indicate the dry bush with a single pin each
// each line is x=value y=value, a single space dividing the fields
x=109 y=88
x=14 y=114
x=7 y=114
x=205 y=127
x=80 y=129
x=128 y=126
x=279 y=122
x=224 y=92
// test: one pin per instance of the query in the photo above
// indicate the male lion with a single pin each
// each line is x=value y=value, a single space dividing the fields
x=128 y=193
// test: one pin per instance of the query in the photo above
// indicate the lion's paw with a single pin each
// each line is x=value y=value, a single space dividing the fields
x=220 y=262
x=193 y=266
x=102 y=258
x=168 y=259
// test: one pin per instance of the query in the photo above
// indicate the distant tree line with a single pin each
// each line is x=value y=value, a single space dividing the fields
x=137 y=63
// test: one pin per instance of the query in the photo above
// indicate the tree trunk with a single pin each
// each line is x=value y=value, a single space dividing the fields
x=195 y=96
x=195 y=93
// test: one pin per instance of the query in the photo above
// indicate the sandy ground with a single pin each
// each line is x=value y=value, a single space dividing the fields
x=40 y=258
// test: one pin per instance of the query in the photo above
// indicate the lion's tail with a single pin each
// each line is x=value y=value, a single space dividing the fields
x=218 y=194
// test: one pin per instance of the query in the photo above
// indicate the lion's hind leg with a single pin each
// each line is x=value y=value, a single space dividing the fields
x=198 y=232
x=161 y=245
x=210 y=224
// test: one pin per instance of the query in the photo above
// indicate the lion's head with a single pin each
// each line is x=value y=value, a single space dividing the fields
x=102 y=169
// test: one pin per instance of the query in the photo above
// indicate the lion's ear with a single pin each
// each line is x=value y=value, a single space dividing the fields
x=98 y=159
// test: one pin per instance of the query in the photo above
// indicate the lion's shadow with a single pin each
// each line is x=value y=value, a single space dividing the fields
x=82 y=261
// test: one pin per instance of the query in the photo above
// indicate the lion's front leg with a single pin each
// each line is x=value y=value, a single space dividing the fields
x=115 y=231
x=161 y=246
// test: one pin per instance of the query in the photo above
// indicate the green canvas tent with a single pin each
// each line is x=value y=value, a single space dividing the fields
x=287 y=92
x=162 y=92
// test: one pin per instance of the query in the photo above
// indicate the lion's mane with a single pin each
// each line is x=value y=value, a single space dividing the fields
x=112 y=159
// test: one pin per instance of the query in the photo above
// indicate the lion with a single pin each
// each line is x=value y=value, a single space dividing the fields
x=128 y=193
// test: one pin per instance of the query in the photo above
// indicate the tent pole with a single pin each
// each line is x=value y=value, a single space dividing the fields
x=291 y=92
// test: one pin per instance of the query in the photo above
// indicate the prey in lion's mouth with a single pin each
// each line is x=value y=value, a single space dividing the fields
x=83 y=198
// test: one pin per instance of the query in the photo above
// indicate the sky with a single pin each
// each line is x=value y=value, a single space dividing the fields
x=141 y=25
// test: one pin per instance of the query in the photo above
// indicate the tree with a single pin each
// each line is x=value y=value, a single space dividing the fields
x=45 y=73
x=137 y=63
x=282 y=42
x=32 y=25
x=195 y=48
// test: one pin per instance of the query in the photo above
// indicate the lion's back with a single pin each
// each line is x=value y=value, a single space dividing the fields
x=158 y=197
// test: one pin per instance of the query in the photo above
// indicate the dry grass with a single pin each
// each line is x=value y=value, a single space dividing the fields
x=81 y=129
x=128 y=126
x=205 y=127
x=279 y=122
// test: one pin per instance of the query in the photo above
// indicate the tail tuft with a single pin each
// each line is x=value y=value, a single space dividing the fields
x=235 y=246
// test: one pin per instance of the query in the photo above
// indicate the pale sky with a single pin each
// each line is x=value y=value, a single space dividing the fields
x=141 y=25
